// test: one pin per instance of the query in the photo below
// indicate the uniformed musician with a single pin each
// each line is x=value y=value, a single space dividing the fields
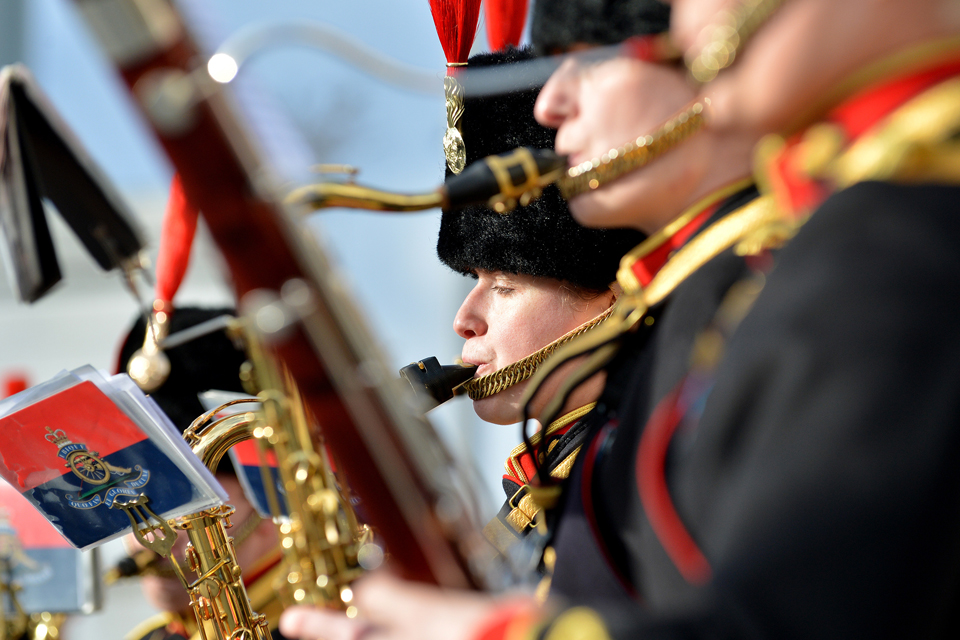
x=208 y=362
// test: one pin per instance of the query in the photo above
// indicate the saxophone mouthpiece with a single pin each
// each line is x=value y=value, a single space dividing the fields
x=433 y=383
x=506 y=180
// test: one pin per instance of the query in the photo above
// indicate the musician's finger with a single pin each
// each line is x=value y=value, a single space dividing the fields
x=404 y=610
x=312 y=623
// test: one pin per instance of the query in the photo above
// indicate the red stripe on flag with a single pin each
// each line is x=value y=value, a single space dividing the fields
x=82 y=412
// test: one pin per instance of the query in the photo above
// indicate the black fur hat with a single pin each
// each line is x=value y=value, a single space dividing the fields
x=557 y=24
x=541 y=239
x=209 y=362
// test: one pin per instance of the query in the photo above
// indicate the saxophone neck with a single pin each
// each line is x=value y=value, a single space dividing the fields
x=211 y=438
x=500 y=182
x=325 y=195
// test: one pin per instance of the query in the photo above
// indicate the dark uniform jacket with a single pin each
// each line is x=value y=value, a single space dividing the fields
x=597 y=547
x=809 y=486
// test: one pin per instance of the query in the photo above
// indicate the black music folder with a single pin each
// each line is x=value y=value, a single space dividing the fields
x=41 y=159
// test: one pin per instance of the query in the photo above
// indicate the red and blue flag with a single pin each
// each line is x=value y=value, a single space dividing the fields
x=76 y=457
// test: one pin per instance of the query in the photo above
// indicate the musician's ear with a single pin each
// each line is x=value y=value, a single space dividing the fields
x=616 y=290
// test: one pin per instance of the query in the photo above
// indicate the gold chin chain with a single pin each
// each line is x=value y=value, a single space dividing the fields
x=502 y=379
x=729 y=33
x=593 y=174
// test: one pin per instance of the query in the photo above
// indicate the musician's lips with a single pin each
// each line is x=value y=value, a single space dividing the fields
x=483 y=368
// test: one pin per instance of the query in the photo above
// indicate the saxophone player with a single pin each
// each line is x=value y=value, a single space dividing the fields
x=539 y=277
x=209 y=362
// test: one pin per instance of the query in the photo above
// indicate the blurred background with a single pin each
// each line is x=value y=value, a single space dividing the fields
x=339 y=115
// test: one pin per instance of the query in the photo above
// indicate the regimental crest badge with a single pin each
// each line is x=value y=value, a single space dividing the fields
x=100 y=481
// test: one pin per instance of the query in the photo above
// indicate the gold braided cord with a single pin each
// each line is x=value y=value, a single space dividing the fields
x=626 y=278
x=744 y=224
x=555 y=426
x=593 y=174
x=728 y=34
x=501 y=379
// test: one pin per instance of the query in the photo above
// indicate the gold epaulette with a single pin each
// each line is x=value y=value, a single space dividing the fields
x=915 y=144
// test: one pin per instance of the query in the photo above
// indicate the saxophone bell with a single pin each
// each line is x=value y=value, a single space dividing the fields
x=433 y=383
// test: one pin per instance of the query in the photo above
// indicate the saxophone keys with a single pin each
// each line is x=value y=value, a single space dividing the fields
x=193 y=560
x=204 y=608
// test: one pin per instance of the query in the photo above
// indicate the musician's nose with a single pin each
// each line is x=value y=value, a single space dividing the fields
x=557 y=101
x=470 y=320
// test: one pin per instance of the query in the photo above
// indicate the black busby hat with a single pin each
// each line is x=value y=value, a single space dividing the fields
x=208 y=362
x=558 y=24
x=540 y=239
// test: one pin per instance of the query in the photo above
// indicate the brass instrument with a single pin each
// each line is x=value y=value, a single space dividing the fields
x=500 y=182
x=321 y=538
x=393 y=458
x=217 y=595
x=503 y=181
x=434 y=384
x=323 y=543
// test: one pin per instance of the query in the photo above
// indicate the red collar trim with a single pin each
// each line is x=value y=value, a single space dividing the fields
x=867 y=107
x=799 y=192
x=639 y=267
x=645 y=268
x=519 y=465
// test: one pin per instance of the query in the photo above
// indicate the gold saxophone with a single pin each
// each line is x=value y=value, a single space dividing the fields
x=210 y=572
x=320 y=536
x=323 y=543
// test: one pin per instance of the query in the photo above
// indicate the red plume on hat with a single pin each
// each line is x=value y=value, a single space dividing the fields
x=456 y=22
x=505 y=20
x=176 y=241
x=149 y=367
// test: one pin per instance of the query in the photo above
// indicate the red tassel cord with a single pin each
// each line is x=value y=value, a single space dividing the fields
x=505 y=20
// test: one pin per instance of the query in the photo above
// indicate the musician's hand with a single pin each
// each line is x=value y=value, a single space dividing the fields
x=393 y=609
